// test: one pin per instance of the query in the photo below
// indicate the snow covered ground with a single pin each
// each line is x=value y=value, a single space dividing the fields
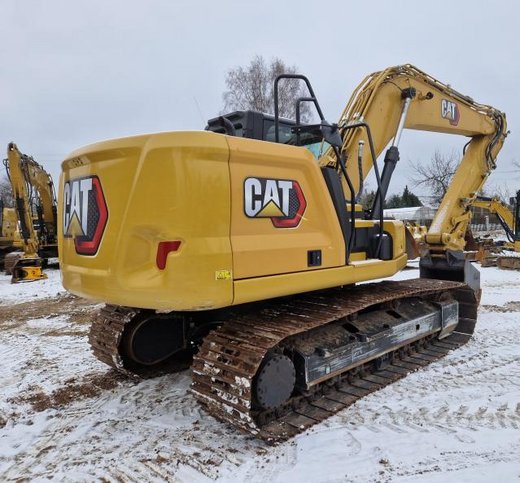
x=66 y=416
x=25 y=292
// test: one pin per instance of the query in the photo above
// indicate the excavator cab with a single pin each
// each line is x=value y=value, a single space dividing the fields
x=261 y=126
x=266 y=127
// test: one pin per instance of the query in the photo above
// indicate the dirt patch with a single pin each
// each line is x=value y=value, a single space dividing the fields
x=39 y=401
x=79 y=310
x=513 y=306
x=73 y=390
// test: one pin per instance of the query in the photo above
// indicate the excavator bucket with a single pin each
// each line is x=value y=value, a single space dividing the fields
x=10 y=260
x=455 y=267
x=414 y=237
x=27 y=270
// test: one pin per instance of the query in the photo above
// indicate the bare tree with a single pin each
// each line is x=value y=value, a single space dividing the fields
x=6 y=194
x=366 y=196
x=437 y=174
x=252 y=87
x=500 y=191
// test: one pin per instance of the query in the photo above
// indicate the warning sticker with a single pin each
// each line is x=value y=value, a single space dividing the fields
x=223 y=275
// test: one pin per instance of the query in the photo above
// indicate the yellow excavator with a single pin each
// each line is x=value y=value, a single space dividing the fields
x=510 y=221
x=244 y=244
x=33 y=193
x=9 y=233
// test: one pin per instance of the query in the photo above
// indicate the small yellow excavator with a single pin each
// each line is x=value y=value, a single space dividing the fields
x=33 y=192
x=510 y=221
x=245 y=245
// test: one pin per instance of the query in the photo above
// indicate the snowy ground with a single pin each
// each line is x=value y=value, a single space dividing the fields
x=30 y=291
x=65 y=416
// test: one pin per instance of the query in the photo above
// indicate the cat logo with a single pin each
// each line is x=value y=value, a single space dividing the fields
x=278 y=199
x=450 y=111
x=85 y=213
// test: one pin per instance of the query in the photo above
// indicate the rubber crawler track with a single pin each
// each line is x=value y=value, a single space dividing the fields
x=229 y=357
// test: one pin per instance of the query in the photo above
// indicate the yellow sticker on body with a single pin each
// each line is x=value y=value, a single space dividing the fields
x=223 y=275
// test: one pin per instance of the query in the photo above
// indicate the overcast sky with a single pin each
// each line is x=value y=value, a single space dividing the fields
x=76 y=72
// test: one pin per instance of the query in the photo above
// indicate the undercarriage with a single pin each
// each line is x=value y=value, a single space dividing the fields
x=277 y=368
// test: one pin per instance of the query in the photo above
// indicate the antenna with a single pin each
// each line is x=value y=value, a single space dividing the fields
x=199 y=109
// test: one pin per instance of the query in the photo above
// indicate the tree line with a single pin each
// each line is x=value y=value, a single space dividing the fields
x=405 y=200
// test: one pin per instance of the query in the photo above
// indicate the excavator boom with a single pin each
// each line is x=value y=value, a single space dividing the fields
x=426 y=105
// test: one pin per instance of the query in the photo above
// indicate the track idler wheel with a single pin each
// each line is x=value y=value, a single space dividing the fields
x=151 y=338
x=274 y=381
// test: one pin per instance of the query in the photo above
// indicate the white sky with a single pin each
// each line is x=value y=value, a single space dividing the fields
x=75 y=72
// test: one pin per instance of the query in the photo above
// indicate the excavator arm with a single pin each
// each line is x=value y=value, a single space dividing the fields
x=509 y=220
x=371 y=121
x=46 y=206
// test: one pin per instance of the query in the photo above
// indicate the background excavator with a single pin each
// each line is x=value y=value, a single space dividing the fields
x=510 y=221
x=36 y=213
x=245 y=244
x=9 y=233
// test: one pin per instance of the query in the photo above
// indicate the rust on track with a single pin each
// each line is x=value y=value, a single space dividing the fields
x=230 y=356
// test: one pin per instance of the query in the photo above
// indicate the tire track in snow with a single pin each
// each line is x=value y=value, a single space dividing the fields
x=458 y=462
x=447 y=418
x=141 y=432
